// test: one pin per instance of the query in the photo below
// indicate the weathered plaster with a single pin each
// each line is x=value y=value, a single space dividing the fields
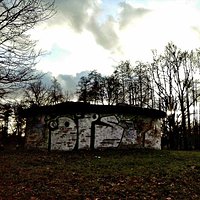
x=108 y=132
x=93 y=131
x=84 y=133
x=36 y=132
x=64 y=137
x=76 y=125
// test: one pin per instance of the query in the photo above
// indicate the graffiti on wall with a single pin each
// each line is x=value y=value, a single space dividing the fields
x=100 y=131
x=63 y=133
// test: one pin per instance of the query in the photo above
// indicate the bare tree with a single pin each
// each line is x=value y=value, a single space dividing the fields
x=83 y=89
x=68 y=96
x=90 y=88
x=95 y=92
x=127 y=84
x=55 y=93
x=134 y=85
x=111 y=89
x=17 y=51
x=173 y=73
x=141 y=90
x=123 y=73
x=36 y=93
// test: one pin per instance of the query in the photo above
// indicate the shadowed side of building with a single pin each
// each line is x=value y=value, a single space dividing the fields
x=74 y=125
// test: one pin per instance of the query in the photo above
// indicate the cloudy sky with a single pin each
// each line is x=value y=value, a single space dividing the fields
x=98 y=34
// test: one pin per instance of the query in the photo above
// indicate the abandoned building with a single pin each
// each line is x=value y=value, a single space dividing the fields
x=76 y=125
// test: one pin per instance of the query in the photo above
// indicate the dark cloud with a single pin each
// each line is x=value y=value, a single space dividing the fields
x=85 y=15
x=75 y=13
x=69 y=82
x=105 y=33
x=129 y=13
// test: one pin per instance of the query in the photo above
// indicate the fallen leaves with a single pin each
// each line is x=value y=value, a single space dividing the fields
x=117 y=175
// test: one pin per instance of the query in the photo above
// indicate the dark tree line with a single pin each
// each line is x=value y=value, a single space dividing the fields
x=39 y=94
x=128 y=84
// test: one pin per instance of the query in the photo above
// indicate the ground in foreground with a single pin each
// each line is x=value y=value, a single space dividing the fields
x=108 y=174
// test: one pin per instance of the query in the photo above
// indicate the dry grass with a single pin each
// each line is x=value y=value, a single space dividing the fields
x=108 y=174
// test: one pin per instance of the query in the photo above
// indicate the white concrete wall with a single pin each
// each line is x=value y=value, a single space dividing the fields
x=109 y=130
x=109 y=133
x=64 y=137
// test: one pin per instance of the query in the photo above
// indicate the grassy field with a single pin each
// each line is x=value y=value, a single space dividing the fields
x=108 y=174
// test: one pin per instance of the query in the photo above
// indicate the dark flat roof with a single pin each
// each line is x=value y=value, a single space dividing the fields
x=79 y=107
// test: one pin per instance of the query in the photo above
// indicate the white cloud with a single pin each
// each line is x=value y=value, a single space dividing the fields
x=73 y=52
x=82 y=37
x=157 y=28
